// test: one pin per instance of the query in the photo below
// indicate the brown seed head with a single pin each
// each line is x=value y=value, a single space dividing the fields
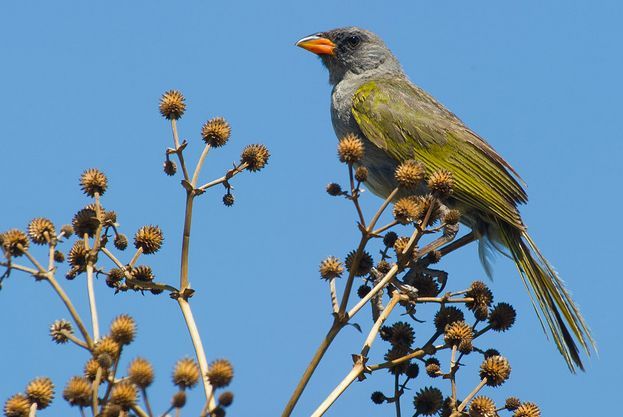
x=407 y=210
x=394 y=353
x=143 y=273
x=383 y=266
x=123 y=329
x=59 y=256
x=482 y=406
x=186 y=373
x=365 y=263
x=512 y=403
x=93 y=181
x=390 y=239
x=426 y=286
x=433 y=367
x=363 y=290
x=218 y=412
x=106 y=346
x=17 y=406
x=77 y=392
x=123 y=394
x=496 y=369
x=85 y=222
x=78 y=255
x=452 y=217
x=67 y=230
x=402 y=335
x=446 y=316
x=428 y=401
x=361 y=174
x=527 y=409
x=331 y=268
x=378 y=397
x=172 y=105
x=41 y=392
x=226 y=398
x=457 y=333
x=149 y=238
x=14 y=242
x=115 y=275
x=90 y=370
x=121 y=241
x=141 y=373
x=409 y=174
x=228 y=199
x=350 y=149
x=466 y=346
x=481 y=294
x=169 y=167
x=220 y=373
x=255 y=156
x=502 y=317
x=216 y=132
x=440 y=183
x=334 y=189
x=41 y=231
x=57 y=330
x=179 y=399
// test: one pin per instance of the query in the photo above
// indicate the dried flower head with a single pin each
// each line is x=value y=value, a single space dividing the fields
x=502 y=317
x=17 y=406
x=378 y=397
x=331 y=268
x=169 y=167
x=93 y=181
x=123 y=394
x=440 y=183
x=433 y=367
x=172 y=105
x=409 y=174
x=457 y=333
x=428 y=401
x=40 y=391
x=451 y=217
x=179 y=399
x=446 y=316
x=490 y=352
x=496 y=369
x=428 y=203
x=141 y=373
x=14 y=242
x=41 y=231
x=186 y=373
x=78 y=255
x=383 y=266
x=365 y=263
x=255 y=156
x=402 y=335
x=350 y=149
x=228 y=199
x=218 y=412
x=143 y=273
x=216 y=132
x=413 y=370
x=527 y=409
x=149 y=239
x=58 y=330
x=334 y=189
x=426 y=285
x=85 y=222
x=106 y=346
x=226 y=399
x=481 y=294
x=394 y=353
x=482 y=406
x=407 y=210
x=363 y=290
x=67 y=230
x=466 y=346
x=361 y=174
x=220 y=373
x=512 y=403
x=115 y=275
x=121 y=241
x=77 y=392
x=123 y=329
x=59 y=256
x=90 y=370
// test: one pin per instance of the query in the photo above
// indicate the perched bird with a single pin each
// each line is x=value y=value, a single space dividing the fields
x=397 y=121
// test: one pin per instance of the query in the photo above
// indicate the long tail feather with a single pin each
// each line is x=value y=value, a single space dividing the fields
x=551 y=300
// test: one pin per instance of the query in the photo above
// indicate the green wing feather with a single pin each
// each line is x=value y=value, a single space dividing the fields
x=407 y=123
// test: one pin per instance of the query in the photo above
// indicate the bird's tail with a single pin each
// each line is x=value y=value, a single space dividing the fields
x=550 y=298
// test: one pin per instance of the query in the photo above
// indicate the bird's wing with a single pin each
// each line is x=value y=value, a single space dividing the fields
x=408 y=123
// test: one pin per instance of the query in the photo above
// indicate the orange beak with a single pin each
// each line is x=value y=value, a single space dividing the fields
x=317 y=44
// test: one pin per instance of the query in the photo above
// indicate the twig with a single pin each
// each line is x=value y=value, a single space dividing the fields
x=333 y=291
x=397 y=394
x=202 y=158
x=179 y=151
x=381 y=209
x=146 y=400
x=92 y=306
x=472 y=394
x=33 y=410
x=354 y=373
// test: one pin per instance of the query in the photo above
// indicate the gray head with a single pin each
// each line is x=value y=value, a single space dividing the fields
x=351 y=51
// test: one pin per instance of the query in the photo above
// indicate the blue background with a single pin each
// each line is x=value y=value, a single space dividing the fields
x=80 y=87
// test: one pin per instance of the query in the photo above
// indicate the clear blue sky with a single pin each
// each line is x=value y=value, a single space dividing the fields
x=80 y=86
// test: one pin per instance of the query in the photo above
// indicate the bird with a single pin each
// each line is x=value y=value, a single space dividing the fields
x=373 y=98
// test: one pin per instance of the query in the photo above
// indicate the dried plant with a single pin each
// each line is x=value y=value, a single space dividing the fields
x=102 y=390
x=400 y=278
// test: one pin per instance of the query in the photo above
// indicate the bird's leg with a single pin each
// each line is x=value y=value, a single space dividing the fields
x=449 y=234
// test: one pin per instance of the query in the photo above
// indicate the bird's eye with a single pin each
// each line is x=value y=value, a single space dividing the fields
x=353 y=40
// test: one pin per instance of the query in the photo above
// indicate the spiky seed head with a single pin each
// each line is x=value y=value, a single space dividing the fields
x=220 y=373
x=143 y=273
x=390 y=239
x=331 y=268
x=59 y=256
x=433 y=367
x=426 y=286
x=428 y=401
x=426 y=203
x=123 y=329
x=121 y=241
x=361 y=174
x=402 y=335
x=216 y=132
x=446 y=316
x=413 y=370
x=169 y=167
x=85 y=222
x=172 y=105
x=93 y=181
x=58 y=329
x=434 y=257
x=481 y=294
x=90 y=370
x=482 y=406
x=218 y=412
x=226 y=399
x=440 y=183
x=383 y=266
x=350 y=149
x=449 y=406
x=378 y=397
x=451 y=217
x=123 y=394
x=334 y=189
x=457 y=333
x=394 y=353
x=149 y=238
x=502 y=317
x=512 y=403
x=78 y=255
x=255 y=156
x=77 y=392
x=386 y=333
x=407 y=210
x=115 y=275
x=228 y=199
x=179 y=399
x=363 y=290
x=496 y=369
x=481 y=312
x=67 y=230
x=17 y=406
x=14 y=242
x=410 y=174
x=41 y=231
x=527 y=409
x=365 y=263
x=141 y=373
x=186 y=373
x=490 y=352
x=40 y=391
x=466 y=346
x=400 y=244
x=106 y=346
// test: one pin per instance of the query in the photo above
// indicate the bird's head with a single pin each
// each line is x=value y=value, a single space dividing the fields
x=351 y=50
